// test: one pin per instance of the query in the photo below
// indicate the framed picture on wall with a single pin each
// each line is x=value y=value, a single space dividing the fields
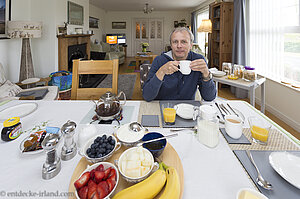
x=93 y=22
x=75 y=14
x=5 y=15
x=118 y=25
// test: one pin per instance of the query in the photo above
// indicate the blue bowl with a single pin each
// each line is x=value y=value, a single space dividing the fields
x=157 y=147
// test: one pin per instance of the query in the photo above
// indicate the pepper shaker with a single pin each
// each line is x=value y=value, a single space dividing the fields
x=69 y=149
x=52 y=165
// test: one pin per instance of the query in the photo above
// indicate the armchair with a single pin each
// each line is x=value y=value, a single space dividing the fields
x=9 y=90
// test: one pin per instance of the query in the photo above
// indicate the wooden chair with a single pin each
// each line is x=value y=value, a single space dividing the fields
x=93 y=67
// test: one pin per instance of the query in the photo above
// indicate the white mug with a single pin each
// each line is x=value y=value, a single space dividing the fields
x=184 y=67
x=233 y=126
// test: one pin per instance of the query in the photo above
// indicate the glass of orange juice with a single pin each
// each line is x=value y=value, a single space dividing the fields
x=169 y=113
x=259 y=130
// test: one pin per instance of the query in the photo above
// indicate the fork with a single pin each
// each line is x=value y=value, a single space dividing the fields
x=220 y=110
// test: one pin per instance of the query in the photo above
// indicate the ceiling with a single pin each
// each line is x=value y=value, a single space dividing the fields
x=138 y=5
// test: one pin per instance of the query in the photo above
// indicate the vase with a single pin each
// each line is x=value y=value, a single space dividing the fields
x=144 y=49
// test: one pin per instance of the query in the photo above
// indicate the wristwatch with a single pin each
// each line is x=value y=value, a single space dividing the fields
x=209 y=77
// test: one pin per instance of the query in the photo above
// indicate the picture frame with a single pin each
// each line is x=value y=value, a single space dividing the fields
x=5 y=15
x=118 y=25
x=61 y=30
x=93 y=22
x=75 y=13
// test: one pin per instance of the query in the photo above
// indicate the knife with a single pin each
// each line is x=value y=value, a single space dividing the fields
x=232 y=110
x=224 y=109
x=220 y=110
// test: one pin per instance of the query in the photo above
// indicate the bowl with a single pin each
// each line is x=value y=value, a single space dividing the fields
x=142 y=177
x=105 y=165
x=128 y=137
x=157 y=147
x=241 y=192
x=83 y=151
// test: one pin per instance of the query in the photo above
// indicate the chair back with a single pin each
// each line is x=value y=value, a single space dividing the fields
x=93 y=67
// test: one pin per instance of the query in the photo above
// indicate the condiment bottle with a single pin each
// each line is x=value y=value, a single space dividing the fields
x=12 y=129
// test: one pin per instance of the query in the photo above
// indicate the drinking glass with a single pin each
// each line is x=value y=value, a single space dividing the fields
x=259 y=130
x=169 y=113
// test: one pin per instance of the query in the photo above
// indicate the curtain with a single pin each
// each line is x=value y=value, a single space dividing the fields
x=194 y=25
x=239 y=33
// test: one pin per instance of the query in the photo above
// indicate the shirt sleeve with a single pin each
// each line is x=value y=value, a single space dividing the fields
x=153 y=84
x=207 y=89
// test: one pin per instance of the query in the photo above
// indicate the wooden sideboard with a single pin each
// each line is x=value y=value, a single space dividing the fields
x=64 y=41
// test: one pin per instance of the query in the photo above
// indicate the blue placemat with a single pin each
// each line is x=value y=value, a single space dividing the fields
x=150 y=120
x=127 y=114
x=179 y=122
x=281 y=188
x=242 y=140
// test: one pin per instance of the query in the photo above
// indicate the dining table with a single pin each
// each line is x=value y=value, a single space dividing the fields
x=208 y=172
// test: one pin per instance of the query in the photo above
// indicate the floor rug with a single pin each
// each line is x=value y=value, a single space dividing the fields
x=132 y=63
x=125 y=84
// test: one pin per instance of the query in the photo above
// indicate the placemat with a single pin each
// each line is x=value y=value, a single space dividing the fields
x=150 y=120
x=127 y=114
x=179 y=122
x=281 y=188
x=242 y=140
x=276 y=141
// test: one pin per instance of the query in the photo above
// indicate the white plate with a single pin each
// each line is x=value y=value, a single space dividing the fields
x=218 y=73
x=185 y=111
x=29 y=152
x=287 y=165
x=20 y=110
x=30 y=80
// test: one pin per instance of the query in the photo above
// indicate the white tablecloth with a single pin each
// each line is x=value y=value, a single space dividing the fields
x=208 y=173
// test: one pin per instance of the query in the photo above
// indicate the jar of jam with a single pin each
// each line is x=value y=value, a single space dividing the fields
x=12 y=129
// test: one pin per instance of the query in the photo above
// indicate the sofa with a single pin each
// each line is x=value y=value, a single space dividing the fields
x=112 y=51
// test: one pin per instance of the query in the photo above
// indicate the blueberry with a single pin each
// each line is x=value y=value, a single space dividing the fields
x=98 y=138
x=88 y=150
x=103 y=145
x=92 y=156
x=99 y=155
x=108 y=146
x=93 y=146
x=105 y=141
x=104 y=137
x=109 y=138
x=101 y=141
x=102 y=150
x=93 y=151
x=112 y=147
x=112 y=142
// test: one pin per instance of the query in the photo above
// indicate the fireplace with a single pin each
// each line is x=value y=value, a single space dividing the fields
x=77 y=51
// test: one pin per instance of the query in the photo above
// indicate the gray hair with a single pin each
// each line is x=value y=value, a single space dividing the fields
x=181 y=29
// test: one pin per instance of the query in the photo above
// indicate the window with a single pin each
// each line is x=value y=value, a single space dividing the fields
x=203 y=14
x=274 y=39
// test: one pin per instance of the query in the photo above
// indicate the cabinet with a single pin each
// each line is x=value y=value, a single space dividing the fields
x=221 y=16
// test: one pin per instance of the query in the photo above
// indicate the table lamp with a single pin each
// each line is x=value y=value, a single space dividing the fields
x=25 y=30
x=205 y=27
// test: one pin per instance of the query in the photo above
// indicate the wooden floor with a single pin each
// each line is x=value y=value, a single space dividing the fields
x=223 y=92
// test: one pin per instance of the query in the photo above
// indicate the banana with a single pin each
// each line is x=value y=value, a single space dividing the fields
x=172 y=189
x=146 y=189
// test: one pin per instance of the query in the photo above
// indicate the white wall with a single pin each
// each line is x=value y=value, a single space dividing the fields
x=168 y=17
x=99 y=14
x=283 y=102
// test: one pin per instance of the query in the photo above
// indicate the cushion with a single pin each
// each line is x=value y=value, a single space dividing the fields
x=96 y=47
x=9 y=89
x=105 y=47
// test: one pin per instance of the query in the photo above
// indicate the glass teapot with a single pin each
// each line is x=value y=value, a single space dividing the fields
x=109 y=104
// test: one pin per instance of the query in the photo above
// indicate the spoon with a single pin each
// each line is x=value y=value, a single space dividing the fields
x=135 y=126
x=156 y=139
x=260 y=180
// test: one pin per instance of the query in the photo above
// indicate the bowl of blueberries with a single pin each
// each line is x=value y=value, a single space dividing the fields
x=100 y=148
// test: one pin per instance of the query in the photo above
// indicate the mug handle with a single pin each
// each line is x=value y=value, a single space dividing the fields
x=118 y=146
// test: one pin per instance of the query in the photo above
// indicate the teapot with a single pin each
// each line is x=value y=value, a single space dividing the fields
x=109 y=106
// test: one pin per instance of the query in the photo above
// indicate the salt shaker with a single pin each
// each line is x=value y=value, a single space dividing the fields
x=69 y=149
x=52 y=165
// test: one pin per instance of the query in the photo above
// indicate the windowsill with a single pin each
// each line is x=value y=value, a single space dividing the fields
x=286 y=85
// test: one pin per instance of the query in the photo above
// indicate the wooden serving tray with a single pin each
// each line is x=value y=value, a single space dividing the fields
x=169 y=157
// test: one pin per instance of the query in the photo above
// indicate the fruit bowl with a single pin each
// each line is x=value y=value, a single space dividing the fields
x=94 y=147
x=97 y=179
x=128 y=160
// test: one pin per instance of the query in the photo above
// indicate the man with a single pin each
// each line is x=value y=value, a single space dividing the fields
x=165 y=82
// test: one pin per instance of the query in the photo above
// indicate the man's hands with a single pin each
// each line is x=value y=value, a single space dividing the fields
x=167 y=69
x=200 y=65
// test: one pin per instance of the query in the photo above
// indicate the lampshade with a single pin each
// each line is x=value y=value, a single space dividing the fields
x=205 y=26
x=24 y=29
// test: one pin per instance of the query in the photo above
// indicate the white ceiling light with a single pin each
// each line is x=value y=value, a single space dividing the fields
x=147 y=10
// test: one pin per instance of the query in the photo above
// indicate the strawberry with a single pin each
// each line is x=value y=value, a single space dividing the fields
x=106 y=172
x=92 y=189
x=99 y=175
x=100 y=168
x=112 y=173
x=93 y=174
x=103 y=189
x=83 y=192
x=83 y=180
x=111 y=184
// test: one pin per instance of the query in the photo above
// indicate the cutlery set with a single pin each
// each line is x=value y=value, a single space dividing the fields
x=225 y=111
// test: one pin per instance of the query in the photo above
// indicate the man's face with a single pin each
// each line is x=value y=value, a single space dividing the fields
x=181 y=45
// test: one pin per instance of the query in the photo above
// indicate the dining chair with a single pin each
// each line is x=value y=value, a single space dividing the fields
x=93 y=67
